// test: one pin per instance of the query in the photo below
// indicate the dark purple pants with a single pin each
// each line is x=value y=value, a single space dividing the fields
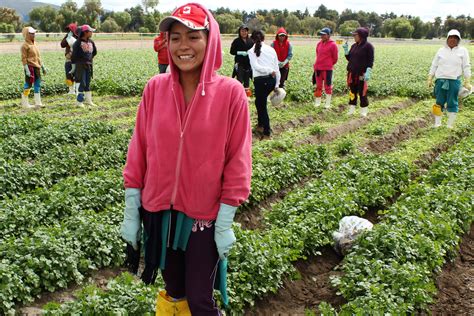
x=191 y=274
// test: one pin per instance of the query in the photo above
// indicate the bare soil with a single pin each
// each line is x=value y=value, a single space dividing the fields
x=307 y=292
x=456 y=282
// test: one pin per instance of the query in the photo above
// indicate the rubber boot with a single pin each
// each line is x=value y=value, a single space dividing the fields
x=364 y=111
x=327 y=105
x=72 y=89
x=76 y=87
x=437 y=121
x=88 y=101
x=451 y=119
x=80 y=99
x=317 y=102
x=352 y=109
x=168 y=306
x=38 y=100
x=25 y=103
x=248 y=92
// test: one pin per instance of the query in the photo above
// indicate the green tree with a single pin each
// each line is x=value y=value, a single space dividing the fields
x=149 y=4
x=137 y=18
x=346 y=28
x=110 y=26
x=151 y=21
x=311 y=25
x=6 y=28
x=123 y=19
x=90 y=12
x=401 y=28
x=419 y=28
x=293 y=24
x=45 y=18
x=9 y=16
x=321 y=12
x=228 y=24
x=458 y=24
x=67 y=14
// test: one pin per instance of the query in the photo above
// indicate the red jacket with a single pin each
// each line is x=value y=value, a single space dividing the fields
x=197 y=156
x=326 y=55
x=283 y=50
x=161 y=47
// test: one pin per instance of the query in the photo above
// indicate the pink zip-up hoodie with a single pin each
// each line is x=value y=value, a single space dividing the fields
x=192 y=159
x=326 y=55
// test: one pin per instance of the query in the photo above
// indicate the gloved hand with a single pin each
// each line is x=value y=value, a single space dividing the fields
x=27 y=71
x=73 y=69
x=224 y=235
x=345 y=46
x=282 y=64
x=69 y=34
x=44 y=69
x=467 y=83
x=429 y=81
x=368 y=74
x=242 y=53
x=131 y=225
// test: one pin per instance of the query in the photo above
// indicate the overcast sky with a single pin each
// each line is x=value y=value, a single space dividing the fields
x=427 y=10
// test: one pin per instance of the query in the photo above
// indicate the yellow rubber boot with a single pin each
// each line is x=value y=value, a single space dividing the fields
x=167 y=306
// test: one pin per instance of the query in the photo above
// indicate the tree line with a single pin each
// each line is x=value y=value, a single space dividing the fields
x=145 y=18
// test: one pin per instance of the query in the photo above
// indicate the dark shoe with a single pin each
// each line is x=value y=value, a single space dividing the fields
x=266 y=137
x=257 y=130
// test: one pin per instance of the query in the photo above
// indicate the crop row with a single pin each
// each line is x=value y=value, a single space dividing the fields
x=262 y=258
x=106 y=152
x=12 y=124
x=38 y=142
x=392 y=268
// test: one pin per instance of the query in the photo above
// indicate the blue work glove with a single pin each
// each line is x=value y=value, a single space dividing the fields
x=131 y=225
x=73 y=69
x=27 y=71
x=224 y=235
x=242 y=53
x=368 y=73
x=345 y=46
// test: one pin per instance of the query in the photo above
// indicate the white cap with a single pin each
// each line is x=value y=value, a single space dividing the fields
x=454 y=32
x=31 y=30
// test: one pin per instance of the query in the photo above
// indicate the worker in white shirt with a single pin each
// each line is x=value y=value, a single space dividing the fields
x=266 y=78
x=450 y=62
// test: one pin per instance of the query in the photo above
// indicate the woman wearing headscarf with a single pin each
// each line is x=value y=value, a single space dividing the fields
x=239 y=49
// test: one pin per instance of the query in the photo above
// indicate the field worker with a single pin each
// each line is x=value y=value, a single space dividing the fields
x=284 y=51
x=32 y=65
x=239 y=49
x=449 y=63
x=188 y=167
x=160 y=44
x=83 y=53
x=326 y=58
x=359 y=69
x=266 y=77
x=67 y=43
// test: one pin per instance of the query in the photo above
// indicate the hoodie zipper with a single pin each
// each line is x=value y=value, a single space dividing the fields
x=181 y=140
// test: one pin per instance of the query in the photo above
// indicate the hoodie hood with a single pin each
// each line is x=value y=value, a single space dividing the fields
x=454 y=32
x=281 y=30
x=212 y=58
x=363 y=33
x=25 y=33
x=73 y=28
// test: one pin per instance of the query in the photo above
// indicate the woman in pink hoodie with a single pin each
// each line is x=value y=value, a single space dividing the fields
x=326 y=58
x=188 y=167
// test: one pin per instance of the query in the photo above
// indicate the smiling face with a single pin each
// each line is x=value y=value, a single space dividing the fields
x=187 y=48
x=453 y=41
x=244 y=33
x=324 y=37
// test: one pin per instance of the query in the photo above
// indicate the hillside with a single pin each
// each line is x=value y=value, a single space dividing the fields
x=23 y=7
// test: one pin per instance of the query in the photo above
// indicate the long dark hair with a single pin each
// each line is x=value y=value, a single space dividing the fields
x=258 y=37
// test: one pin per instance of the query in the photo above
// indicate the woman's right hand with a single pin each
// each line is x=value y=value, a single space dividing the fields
x=274 y=74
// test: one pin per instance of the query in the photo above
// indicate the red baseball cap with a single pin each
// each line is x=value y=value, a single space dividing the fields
x=87 y=28
x=191 y=15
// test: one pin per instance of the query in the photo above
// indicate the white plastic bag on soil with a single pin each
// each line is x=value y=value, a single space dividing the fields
x=349 y=228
